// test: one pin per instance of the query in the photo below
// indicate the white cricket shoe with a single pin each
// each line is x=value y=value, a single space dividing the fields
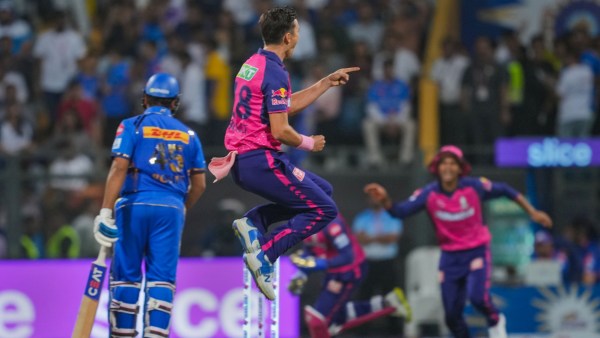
x=247 y=233
x=498 y=330
x=262 y=272
x=397 y=300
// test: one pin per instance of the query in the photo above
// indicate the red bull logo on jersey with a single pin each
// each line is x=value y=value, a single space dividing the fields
x=279 y=96
x=166 y=134
x=281 y=92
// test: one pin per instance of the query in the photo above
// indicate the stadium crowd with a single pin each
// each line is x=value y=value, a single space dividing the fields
x=69 y=75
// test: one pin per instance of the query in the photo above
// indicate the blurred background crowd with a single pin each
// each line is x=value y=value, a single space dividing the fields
x=70 y=71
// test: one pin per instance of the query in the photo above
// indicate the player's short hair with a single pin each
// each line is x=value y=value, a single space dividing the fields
x=275 y=23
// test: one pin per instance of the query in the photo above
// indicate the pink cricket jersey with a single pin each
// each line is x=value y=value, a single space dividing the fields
x=262 y=87
x=457 y=216
x=338 y=245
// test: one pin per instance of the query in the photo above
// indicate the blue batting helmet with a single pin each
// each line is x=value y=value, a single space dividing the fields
x=162 y=85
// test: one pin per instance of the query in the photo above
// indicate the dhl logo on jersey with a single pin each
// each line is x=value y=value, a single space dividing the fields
x=166 y=134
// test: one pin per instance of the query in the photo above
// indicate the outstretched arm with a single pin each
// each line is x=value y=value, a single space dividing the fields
x=498 y=189
x=414 y=204
x=305 y=97
x=536 y=215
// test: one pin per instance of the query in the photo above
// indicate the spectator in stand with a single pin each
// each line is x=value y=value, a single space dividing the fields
x=10 y=77
x=515 y=67
x=121 y=28
x=193 y=110
x=16 y=29
x=151 y=57
x=484 y=96
x=355 y=92
x=389 y=110
x=115 y=101
x=70 y=170
x=544 y=249
x=70 y=128
x=387 y=51
x=218 y=75
x=86 y=108
x=58 y=51
x=88 y=77
x=306 y=48
x=574 y=88
x=63 y=241
x=171 y=62
x=538 y=98
x=367 y=28
x=329 y=55
x=325 y=109
x=378 y=233
x=327 y=26
x=447 y=72
x=407 y=66
x=16 y=132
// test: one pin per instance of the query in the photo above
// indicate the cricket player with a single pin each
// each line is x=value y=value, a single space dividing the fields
x=454 y=203
x=336 y=251
x=157 y=173
x=258 y=127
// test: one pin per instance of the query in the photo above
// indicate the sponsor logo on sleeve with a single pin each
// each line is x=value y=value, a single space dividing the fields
x=415 y=194
x=487 y=184
x=117 y=143
x=247 y=72
x=280 y=97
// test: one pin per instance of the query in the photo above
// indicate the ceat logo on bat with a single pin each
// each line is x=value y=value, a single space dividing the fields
x=281 y=92
x=166 y=134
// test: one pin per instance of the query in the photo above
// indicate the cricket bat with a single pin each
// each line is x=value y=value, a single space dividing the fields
x=91 y=296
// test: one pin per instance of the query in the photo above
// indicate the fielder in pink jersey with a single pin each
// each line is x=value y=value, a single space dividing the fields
x=453 y=203
x=337 y=251
x=259 y=126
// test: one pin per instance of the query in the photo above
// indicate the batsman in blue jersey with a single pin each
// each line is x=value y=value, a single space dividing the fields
x=157 y=173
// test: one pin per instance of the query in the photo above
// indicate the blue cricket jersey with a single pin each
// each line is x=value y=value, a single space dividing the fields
x=163 y=154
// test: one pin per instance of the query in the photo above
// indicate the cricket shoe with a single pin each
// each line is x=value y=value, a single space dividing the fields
x=397 y=300
x=498 y=330
x=247 y=233
x=262 y=272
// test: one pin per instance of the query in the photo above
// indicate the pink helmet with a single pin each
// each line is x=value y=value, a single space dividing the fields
x=453 y=151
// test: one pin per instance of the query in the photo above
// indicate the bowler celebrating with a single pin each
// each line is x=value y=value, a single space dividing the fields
x=259 y=126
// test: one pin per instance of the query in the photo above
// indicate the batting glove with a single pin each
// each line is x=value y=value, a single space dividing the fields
x=297 y=283
x=308 y=264
x=105 y=230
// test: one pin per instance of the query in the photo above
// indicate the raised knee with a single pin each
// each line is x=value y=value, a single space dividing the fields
x=330 y=212
x=328 y=189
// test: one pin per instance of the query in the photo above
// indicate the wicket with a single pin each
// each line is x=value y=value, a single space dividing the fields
x=261 y=315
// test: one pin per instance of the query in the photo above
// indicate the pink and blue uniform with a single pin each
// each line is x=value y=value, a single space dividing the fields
x=346 y=269
x=303 y=199
x=465 y=264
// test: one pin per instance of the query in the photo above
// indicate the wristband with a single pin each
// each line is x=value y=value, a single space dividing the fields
x=308 y=143
x=106 y=213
